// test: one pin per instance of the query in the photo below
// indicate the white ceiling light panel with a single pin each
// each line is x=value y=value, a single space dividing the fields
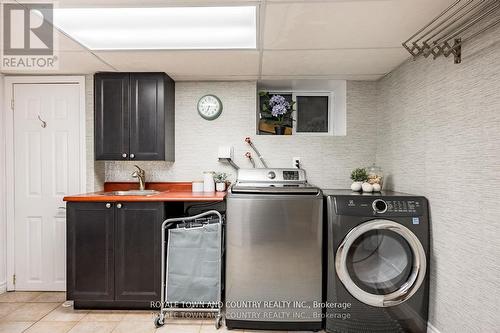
x=162 y=28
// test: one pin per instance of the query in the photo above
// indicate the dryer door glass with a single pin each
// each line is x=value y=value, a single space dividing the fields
x=379 y=261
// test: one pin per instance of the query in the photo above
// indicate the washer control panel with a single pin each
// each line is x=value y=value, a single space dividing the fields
x=403 y=206
x=380 y=206
x=271 y=175
x=290 y=175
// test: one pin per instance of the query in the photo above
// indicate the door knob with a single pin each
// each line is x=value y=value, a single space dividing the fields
x=124 y=155
x=119 y=206
x=132 y=155
x=108 y=205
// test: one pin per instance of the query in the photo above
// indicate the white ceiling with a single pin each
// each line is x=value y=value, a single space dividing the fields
x=298 y=39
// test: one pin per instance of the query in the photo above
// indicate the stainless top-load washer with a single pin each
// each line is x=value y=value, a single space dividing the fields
x=274 y=251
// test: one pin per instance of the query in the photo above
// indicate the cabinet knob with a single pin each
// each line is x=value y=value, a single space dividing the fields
x=124 y=155
x=118 y=206
x=108 y=205
x=132 y=155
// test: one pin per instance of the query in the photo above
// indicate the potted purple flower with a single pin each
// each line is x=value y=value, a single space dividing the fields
x=277 y=110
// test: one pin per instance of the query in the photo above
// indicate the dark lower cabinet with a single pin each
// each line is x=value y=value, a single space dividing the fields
x=138 y=251
x=114 y=254
x=90 y=251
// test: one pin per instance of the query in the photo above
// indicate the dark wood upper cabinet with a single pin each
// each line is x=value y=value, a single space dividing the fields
x=137 y=251
x=147 y=101
x=134 y=116
x=111 y=116
x=90 y=251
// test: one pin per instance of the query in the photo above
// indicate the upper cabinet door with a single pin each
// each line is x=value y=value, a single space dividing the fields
x=111 y=116
x=147 y=116
x=134 y=116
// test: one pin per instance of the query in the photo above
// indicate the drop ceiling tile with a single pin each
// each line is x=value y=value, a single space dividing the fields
x=346 y=24
x=284 y=81
x=80 y=62
x=187 y=64
x=182 y=77
x=64 y=43
x=332 y=62
x=148 y=3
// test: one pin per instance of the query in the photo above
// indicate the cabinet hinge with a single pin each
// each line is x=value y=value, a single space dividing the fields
x=12 y=104
x=14 y=279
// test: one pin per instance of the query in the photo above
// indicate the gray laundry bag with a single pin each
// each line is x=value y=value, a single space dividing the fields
x=194 y=264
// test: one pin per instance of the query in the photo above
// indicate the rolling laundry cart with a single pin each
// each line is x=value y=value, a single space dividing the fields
x=192 y=265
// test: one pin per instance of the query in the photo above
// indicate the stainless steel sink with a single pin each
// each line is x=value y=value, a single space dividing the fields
x=133 y=192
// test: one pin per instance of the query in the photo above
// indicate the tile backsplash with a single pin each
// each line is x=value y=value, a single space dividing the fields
x=328 y=160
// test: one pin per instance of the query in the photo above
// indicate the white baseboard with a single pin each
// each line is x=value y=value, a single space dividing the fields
x=431 y=328
x=3 y=287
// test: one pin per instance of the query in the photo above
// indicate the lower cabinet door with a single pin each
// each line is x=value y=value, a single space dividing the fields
x=138 y=251
x=90 y=257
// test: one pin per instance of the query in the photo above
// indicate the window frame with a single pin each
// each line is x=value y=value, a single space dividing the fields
x=295 y=93
x=331 y=97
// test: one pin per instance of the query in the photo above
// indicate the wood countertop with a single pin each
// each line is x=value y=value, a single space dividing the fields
x=168 y=192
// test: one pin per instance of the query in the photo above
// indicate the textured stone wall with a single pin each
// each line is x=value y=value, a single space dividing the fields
x=439 y=136
x=327 y=159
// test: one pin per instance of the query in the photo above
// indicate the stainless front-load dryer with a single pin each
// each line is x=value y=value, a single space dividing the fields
x=378 y=262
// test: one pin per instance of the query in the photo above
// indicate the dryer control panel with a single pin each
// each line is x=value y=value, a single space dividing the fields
x=380 y=206
x=403 y=206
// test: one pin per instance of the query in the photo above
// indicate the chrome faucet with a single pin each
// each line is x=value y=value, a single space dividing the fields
x=141 y=175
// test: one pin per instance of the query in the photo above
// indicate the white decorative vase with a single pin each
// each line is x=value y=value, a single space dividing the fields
x=208 y=181
x=356 y=186
x=220 y=187
x=367 y=187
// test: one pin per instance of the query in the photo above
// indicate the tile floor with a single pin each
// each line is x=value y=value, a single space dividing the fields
x=43 y=312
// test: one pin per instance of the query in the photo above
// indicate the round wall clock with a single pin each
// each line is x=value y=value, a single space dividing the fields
x=209 y=107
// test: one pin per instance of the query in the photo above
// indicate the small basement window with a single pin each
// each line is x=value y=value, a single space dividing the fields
x=312 y=113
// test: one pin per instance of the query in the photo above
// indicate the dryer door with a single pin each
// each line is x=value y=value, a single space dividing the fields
x=381 y=263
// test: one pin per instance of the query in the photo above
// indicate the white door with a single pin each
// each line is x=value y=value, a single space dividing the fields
x=47 y=167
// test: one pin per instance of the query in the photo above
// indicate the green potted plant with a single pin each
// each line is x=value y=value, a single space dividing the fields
x=220 y=179
x=277 y=110
x=358 y=176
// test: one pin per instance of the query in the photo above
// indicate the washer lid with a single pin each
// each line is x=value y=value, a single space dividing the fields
x=381 y=263
x=275 y=188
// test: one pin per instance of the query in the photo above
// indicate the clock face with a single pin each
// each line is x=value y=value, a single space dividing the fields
x=209 y=107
